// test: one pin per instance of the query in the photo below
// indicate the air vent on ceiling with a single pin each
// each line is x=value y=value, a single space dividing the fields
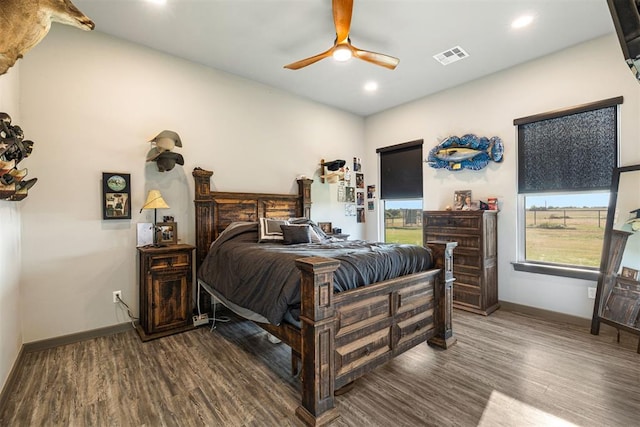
x=451 y=55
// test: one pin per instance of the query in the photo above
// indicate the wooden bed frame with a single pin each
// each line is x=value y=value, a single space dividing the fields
x=344 y=335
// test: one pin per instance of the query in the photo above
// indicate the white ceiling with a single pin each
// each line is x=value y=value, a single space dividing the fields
x=256 y=38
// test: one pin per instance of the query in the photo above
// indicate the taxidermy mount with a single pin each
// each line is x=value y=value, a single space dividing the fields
x=23 y=23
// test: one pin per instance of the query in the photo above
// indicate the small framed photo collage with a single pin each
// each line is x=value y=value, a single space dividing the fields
x=357 y=196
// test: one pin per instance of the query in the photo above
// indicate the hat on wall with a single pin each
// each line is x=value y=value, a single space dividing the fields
x=168 y=159
x=334 y=165
x=153 y=154
x=167 y=140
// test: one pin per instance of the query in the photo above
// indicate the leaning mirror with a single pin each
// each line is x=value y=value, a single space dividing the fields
x=618 y=296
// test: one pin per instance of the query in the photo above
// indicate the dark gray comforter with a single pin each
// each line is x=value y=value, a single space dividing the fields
x=263 y=277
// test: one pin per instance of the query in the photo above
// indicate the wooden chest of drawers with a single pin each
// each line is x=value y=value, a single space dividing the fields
x=475 y=264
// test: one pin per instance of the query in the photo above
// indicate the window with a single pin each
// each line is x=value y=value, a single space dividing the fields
x=565 y=163
x=403 y=221
x=401 y=192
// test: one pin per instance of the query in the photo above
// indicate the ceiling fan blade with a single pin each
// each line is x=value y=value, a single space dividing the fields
x=381 y=59
x=308 y=61
x=342 y=10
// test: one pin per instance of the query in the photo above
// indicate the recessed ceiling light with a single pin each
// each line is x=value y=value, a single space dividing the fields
x=157 y=1
x=522 y=21
x=371 y=86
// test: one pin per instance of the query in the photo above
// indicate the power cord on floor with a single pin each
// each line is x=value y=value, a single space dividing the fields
x=222 y=319
x=131 y=316
x=214 y=319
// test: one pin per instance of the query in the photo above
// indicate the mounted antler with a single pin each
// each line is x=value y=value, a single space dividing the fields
x=25 y=22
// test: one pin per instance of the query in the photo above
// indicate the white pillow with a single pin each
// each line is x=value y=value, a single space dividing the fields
x=269 y=230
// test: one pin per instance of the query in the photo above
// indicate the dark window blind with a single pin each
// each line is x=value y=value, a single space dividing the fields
x=401 y=171
x=572 y=150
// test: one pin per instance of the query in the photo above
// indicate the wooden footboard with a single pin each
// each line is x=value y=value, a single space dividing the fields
x=345 y=335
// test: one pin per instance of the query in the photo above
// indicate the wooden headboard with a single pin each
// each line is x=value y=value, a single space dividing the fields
x=215 y=210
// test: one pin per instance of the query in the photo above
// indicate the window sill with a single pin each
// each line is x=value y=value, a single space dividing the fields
x=557 y=270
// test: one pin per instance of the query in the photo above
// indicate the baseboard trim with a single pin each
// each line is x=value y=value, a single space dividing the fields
x=11 y=378
x=545 y=314
x=77 y=337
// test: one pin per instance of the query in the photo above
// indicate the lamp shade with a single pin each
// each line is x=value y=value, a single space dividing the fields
x=154 y=201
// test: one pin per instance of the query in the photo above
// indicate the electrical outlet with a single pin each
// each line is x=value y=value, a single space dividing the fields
x=116 y=295
x=591 y=293
x=201 y=319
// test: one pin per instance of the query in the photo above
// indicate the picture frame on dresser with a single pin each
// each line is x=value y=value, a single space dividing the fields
x=326 y=227
x=629 y=273
x=166 y=233
x=462 y=200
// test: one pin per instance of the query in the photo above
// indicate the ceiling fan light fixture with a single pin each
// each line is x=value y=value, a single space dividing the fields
x=342 y=53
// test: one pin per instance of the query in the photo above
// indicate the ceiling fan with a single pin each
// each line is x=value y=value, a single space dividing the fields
x=342 y=48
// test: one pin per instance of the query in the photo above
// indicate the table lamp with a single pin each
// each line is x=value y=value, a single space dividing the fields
x=155 y=202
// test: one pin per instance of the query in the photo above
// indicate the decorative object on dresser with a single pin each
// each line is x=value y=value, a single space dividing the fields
x=344 y=335
x=326 y=227
x=629 y=273
x=462 y=200
x=465 y=152
x=116 y=195
x=617 y=300
x=476 y=259
x=166 y=282
x=166 y=233
x=13 y=186
x=161 y=150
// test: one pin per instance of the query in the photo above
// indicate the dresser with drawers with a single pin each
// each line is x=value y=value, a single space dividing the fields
x=475 y=259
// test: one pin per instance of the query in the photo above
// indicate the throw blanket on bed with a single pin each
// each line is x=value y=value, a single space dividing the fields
x=263 y=277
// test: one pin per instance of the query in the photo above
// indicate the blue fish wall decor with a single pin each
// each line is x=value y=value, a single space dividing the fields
x=465 y=152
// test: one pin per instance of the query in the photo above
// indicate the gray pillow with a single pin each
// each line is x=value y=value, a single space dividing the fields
x=294 y=234
x=317 y=235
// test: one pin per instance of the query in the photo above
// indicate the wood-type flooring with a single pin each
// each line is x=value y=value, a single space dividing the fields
x=507 y=369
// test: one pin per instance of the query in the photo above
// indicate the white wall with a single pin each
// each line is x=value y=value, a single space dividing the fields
x=585 y=73
x=90 y=102
x=10 y=324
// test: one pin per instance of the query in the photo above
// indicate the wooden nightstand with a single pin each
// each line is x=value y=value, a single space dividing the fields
x=165 y=290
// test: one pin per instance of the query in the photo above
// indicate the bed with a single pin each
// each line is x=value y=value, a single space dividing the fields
x=340 y=336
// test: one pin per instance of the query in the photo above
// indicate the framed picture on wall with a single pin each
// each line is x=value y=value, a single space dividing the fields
x=350 y=194
x=116 y=195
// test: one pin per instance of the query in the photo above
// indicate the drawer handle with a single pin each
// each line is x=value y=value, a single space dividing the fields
x=418 y=327
x=367 y=351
